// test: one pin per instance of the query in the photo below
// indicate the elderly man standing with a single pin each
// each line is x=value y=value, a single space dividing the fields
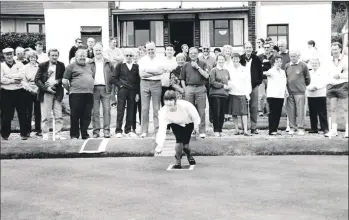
x=42 y=57
x=13 y=96
x=49 y=80
x=193 y=76
x=79 y=82
x=211 y=62
x=90 y=44
x=150 y=71
x=253 y=64
x=126 y=78
x=102 y=69
x=298 y=78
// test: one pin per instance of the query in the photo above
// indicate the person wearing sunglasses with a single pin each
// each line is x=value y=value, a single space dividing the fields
x=78 y=42
x=126 y=78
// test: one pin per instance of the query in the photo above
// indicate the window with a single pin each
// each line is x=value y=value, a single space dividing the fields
x=138 y=33
x=218 y=33
x=278 y=32
x=35 y=28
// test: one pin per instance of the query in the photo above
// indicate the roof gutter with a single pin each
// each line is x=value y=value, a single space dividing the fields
x=177 y=10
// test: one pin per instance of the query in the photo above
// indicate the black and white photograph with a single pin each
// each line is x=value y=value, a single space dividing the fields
x=168 y=110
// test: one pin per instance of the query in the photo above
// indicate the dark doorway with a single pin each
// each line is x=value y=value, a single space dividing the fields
x=181 y=32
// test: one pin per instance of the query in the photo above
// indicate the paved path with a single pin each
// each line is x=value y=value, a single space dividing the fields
x=251 y=188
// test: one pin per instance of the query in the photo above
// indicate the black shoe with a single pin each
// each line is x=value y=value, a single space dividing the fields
x=5 y=138
x=85 y=137
x=273 y=133
x=39 y=134
x=313 y=132
x=178 y=164
x=254 y=131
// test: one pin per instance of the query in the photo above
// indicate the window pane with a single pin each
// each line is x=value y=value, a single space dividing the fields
x=33 y=28
x=43 y=28
x=282 y=30
x=206 y=33
x=237 y=32
x=272 y=30
x=127 y=38
x=211 y=33
x=283 y=38
x=142 y=37
x=221 y=24
x=274 y=38
x=142 y=25
x=221 y=37
x=157 y=32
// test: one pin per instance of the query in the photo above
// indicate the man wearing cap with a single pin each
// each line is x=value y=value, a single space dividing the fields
x=49 y=80
x=12 y=95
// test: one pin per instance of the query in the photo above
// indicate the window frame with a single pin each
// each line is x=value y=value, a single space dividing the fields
x=40 y=27
x=134 y=32
x=287 y=35
x=229 y=21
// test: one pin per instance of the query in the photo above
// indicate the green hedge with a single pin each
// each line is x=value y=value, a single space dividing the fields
x=24 y=40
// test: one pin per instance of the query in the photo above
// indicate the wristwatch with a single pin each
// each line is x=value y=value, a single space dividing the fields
x=198 y=68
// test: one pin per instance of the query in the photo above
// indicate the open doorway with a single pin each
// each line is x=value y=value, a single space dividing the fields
x=181 y=32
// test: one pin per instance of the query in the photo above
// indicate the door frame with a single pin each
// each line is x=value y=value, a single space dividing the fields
x=181 y=20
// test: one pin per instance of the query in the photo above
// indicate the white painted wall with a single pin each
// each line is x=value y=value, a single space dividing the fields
x=307 y=21
x=63 y=27
x=176 y=4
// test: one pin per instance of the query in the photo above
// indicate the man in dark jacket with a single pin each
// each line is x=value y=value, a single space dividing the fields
x=49 y=80
x=78 y=42
x=253 y=64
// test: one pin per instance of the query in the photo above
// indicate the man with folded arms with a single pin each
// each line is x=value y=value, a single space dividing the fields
x=150 y=71
x=13 y=96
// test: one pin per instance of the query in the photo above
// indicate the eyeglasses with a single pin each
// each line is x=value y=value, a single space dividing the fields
x=266 y=47
x=204 y=49
x=128 y=55
x=79 y=42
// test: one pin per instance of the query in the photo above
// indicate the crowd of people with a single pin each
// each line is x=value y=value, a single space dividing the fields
x=257 y=82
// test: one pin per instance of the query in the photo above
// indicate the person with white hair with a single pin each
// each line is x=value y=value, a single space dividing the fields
x=79 y=82
x=90 y=44
x=337 y=89
x=150 y=71
x=20 y=55
x=126 y=78
x=102 y=69
x=316 y=93
x=298 y=79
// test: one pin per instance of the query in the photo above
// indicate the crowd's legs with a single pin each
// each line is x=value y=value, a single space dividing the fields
x=51 y=104
x=81 y=105
x=275 y=110
x=33 y=102
x=197 y=96
x=219 y=105
x=125 y=96
x=254 y=108
x=318 y=107
x=295 y=112
x=12 y=100
x=138 y=107
x=263 y=105
x=100 y=95
x=210 y=112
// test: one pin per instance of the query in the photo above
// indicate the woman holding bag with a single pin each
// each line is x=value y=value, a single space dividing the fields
x=219 y=78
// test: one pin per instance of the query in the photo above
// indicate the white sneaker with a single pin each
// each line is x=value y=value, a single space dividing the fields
x=288 y=129
x=132 y=134
x=143 y=135
x=291 y=132
x=45 y=137
x=202 y=136
x=119 y=135
x=346 y=134
x=216 y=134
x=300 y=132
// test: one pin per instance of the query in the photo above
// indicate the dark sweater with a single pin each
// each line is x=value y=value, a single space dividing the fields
x=298 y=78
x=268 y=64
x=123 y=77
x=285 y=59
x=219 y=78
x=72 y=52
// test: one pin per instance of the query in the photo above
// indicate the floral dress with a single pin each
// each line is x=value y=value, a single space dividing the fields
x=175 y=82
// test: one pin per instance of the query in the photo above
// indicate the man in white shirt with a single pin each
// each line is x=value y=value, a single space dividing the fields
x=102 y=69
x=13 y=96
x=42 y=57
x=150 y=71
x=337 y=90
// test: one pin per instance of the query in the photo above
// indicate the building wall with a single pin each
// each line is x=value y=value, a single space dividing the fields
x=17 y=25
x=307 y=21
x=61 y=33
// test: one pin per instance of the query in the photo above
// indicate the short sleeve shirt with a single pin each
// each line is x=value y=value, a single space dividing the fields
x=192 y=76
x=80 y=78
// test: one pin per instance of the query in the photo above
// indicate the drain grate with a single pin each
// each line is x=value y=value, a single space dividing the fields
x=184 y=167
